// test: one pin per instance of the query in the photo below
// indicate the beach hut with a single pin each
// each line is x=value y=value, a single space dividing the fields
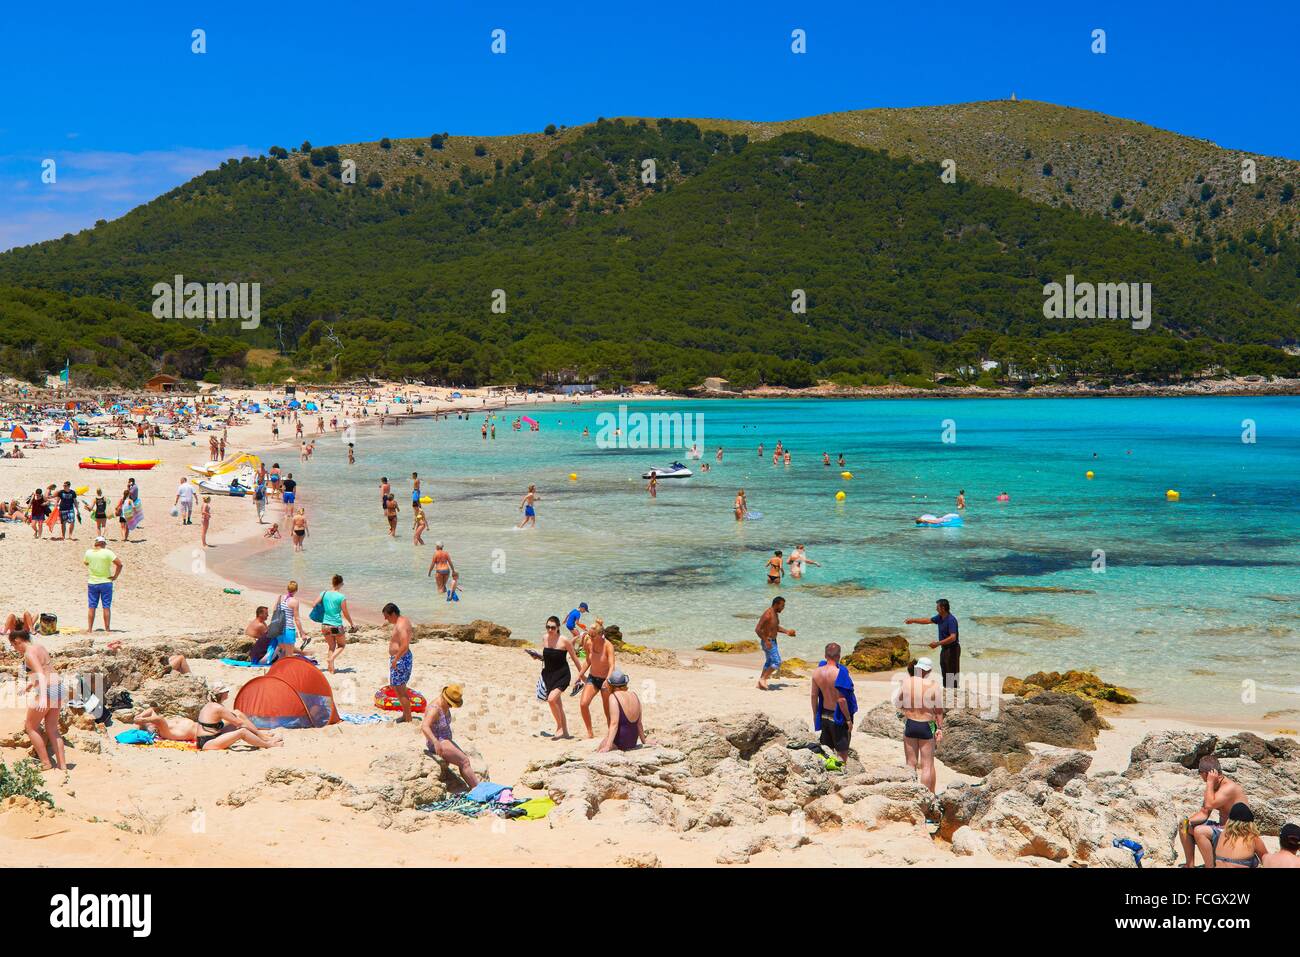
x=162 y=383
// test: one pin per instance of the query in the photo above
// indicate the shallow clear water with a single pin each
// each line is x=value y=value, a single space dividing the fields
x=1175 y=614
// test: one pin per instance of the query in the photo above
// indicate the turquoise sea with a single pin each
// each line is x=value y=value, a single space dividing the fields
x=1193 y=599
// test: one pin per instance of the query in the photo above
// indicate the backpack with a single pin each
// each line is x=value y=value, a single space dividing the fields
x=275 y=627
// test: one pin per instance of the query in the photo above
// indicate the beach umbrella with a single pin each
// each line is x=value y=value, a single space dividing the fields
x=311 y=407
x=18 y=434
x=294 y=404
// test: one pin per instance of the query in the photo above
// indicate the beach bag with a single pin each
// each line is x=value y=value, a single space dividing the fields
x=317 y=613
x=48 y=624
x=275 y=627
x=541 y=689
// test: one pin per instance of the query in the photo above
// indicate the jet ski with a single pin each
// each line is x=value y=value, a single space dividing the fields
x=675 y=471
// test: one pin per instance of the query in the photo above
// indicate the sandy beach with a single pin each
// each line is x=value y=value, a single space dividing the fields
x=148 y=806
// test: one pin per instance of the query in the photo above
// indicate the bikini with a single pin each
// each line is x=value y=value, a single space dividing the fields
x=219 y=728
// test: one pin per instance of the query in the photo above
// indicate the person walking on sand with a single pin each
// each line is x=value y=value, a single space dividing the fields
x=99 y=511
x=104 y=567
x=557 y=651
x=625 y=729
x=185 y=501
x=400 y=659
x=334 y=609
x=526 y=504
x=67 y=502
x=920 y=698
x=834 y=702
x=436 y=728
x=441 y=566
x=948 y=642
x=592 y=676
x=45 y=695
x=768 y=627
x=205 y=517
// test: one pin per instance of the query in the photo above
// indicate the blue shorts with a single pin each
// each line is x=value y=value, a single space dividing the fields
x=68 y=518
x=528 y=511
x=101 y=594
x=289 y=498
x=772 y=657
x=399 y=672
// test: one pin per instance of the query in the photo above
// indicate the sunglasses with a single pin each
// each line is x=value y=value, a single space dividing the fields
x=552 y=627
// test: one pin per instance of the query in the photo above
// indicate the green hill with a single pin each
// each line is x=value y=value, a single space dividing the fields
x=611 y=277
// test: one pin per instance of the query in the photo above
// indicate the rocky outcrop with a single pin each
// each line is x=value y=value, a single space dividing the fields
x=1052 y=809
x=479 y=632
x=879 y=652
x=1081 y=684
x=397 y=781
x=173 y=694
x=996 y=733
x=716 y=773
x=730 y=647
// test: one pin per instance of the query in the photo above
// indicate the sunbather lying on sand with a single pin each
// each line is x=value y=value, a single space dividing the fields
x=216 y=729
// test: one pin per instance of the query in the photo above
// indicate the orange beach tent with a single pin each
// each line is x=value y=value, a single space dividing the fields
x=292 y=694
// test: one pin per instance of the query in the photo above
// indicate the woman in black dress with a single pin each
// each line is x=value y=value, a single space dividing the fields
x=557 y=649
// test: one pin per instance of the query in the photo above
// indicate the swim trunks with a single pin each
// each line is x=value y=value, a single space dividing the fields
x=596 y=681
x=399 y=672
x=835 y=736
x=289 y=498
x=918 y=730
x=528 y=511
x=100 y=593
x=772 y=657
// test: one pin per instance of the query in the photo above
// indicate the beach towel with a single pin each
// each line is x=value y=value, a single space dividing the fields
x=536 y=808
x=236 y=663
x=486 y=791
x=367 y=718
x=135 y=736
x=457 y=805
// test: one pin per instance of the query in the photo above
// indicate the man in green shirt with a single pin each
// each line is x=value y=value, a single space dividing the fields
x=104 y=568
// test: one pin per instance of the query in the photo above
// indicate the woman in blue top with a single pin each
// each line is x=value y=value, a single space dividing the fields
x=334 y=607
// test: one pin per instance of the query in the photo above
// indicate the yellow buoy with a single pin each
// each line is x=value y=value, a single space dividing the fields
x=1087 y=475
x=839 y=496
x=425 y=499
x=573 y=476
x=1171 y=495
x=846 y=475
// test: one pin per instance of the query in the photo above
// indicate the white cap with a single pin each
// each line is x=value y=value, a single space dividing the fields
x=923 y=664
x=101 y=540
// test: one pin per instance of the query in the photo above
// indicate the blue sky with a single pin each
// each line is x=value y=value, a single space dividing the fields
x=113 y=94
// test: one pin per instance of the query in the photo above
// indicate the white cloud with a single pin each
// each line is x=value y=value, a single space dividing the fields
x=92 y=185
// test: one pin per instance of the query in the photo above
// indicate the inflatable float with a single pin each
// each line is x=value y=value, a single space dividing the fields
x=386 y=700
x=951 y=520
x=118 y=465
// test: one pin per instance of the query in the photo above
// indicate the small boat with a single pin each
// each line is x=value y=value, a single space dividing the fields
x=239 y=481
x=118 y=465
x=675 y=471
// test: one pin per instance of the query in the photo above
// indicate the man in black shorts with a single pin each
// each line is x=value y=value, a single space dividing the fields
x=834 y=702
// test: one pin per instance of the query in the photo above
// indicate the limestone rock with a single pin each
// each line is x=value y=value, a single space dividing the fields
x=879 y=652
x=174 y=694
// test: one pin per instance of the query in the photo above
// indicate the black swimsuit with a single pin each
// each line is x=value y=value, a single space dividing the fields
x=555 y=669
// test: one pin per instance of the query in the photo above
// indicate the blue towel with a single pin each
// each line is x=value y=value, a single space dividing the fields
x=844 y=684
x=236 y=663
x=485 y=792
x=136 y=736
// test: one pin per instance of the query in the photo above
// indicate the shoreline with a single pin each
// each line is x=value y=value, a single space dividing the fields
x=1201 y=389
x=250 y=543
